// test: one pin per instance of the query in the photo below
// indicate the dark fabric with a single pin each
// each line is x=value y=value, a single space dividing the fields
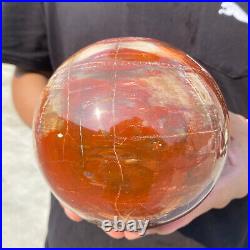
x=40 y=36
x=24 y=37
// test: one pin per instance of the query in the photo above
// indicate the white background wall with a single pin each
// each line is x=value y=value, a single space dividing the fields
x=25 y=193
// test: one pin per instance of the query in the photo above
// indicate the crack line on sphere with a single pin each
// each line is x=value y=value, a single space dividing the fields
x=199 y=96
x=121 y=143
x=144 y=207
x=67 y=116
x=143 y=63
x=163 y=136
x=81 y=139
x=116 y=200
x=114 y=129
x=43 y=112
x=129 y=214
x=205 y=108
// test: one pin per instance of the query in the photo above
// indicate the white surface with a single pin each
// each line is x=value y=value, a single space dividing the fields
x=25 y=193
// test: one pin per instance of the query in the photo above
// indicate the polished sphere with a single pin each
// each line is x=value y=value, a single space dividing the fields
x=131 y=127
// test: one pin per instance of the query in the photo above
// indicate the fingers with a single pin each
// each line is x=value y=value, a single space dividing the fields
x=71 y=215
x=115 y=235
x=132 y=235
x=125 y=234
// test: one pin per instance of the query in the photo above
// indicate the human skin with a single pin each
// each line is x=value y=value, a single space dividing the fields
x=232 y=184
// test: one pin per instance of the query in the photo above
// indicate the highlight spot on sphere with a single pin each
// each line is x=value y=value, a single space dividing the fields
x=131 y=127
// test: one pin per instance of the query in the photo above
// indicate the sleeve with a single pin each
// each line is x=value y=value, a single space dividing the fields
x=221 y=46
x=24 y=37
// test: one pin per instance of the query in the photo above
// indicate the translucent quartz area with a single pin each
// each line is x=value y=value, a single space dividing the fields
x=131 y=127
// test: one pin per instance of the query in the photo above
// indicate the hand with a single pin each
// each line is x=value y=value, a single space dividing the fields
x=231 y=185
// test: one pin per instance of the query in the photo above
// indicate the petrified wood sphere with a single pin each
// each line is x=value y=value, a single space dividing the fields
x=131 y=127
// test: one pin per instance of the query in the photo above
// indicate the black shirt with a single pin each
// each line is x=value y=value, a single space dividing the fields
x=40 y=36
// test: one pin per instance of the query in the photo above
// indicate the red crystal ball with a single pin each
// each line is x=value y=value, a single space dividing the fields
x=131 y=127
